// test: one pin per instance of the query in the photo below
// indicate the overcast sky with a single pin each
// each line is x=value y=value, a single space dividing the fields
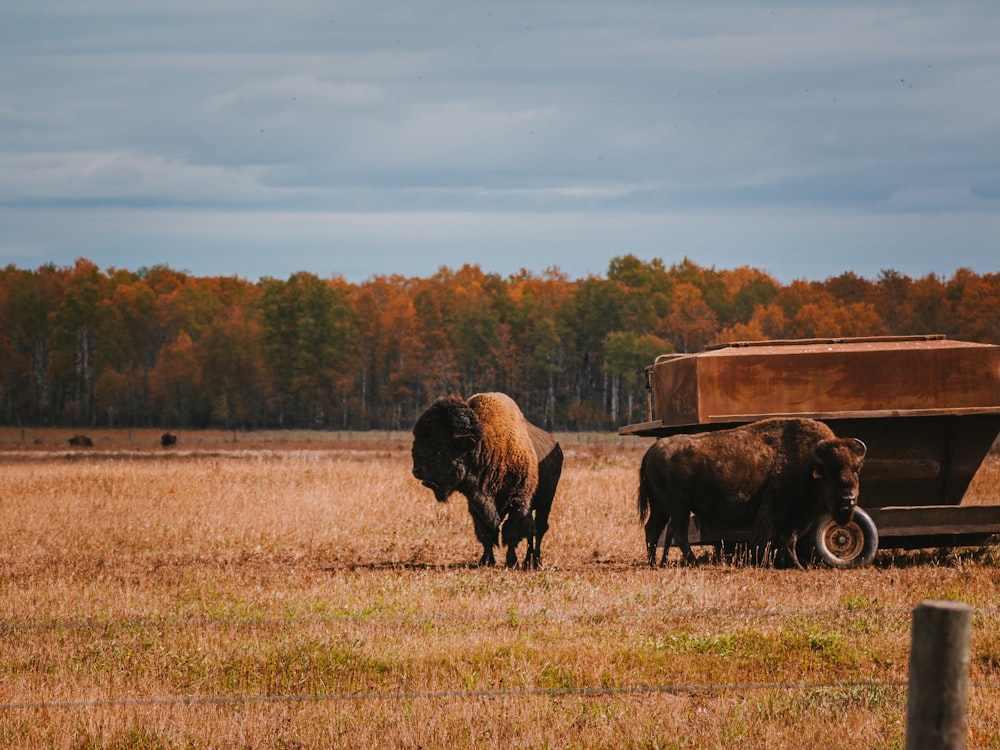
x=226 y=137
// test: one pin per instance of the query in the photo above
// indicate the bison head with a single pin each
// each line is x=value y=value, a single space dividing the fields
x=443 y=438
x=837 y=465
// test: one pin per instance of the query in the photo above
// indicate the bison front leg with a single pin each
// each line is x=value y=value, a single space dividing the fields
x=488 y=538
x=487 y=526
x=763 y=540
x=790 y=550
x=515 y=529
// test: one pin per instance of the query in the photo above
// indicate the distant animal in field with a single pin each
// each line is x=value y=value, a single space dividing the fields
x=167 y=439
x=776 y=476
x=506 y=467
x=81 y=441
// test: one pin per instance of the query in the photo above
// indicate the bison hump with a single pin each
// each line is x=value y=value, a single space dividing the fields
x=507 y=447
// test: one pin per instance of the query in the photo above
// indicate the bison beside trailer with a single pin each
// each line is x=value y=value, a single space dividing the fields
x=776 y=476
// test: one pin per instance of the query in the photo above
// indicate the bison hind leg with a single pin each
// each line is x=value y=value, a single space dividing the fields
x=533 y=557
x=680 y=534
x=487 y=560
x=657 y=522
x=667 y=536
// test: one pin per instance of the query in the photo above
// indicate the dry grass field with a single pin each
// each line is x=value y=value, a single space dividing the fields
x=302 y=590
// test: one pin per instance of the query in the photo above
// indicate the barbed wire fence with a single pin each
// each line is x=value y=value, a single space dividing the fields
x=9 y=628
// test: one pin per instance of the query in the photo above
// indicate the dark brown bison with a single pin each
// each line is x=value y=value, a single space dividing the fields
x=168 y=439
x=776 y=476
x=81 y=441
x=506 y=467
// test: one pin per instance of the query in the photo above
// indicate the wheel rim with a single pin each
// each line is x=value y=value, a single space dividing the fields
x=846 y=541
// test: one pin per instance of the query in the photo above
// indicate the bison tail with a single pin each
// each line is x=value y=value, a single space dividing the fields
x=643 y=500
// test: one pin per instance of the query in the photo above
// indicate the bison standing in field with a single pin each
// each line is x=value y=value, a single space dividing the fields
x=506 y=467
x=777 y=476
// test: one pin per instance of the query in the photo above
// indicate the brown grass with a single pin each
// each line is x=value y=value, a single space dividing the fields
x=288 y=590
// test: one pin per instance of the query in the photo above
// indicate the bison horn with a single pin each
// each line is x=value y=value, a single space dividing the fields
x=861 y=449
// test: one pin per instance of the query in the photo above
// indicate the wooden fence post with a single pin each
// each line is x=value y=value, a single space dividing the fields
x=939 y=676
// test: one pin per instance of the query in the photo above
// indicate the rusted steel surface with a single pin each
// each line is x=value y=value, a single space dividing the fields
x=934 y=520
x=923 y=460
x=741 y=382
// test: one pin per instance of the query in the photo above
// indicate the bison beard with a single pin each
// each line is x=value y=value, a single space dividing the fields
x=778 y=475
x=506 y=467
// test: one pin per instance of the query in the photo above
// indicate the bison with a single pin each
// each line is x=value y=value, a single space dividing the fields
x=81 y=441
x=776 y=476
x=506 y=467
x=168 y=439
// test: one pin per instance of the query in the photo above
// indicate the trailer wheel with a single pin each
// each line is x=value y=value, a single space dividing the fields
x=851 y=545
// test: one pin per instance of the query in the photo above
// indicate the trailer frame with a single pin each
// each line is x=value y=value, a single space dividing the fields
x=921 y=457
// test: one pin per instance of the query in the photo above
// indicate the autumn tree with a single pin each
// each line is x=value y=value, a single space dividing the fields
x=232 y=374
x=158 y=346
x=74 y=336
x=749 y=289
x=391 y=352
x=931 y=308
x=538 y=350
x=627 y=355
x=689 y=323
x=766 y=322
x=977 y=305
x=647 y=288
x=130 y=338
x=177 y=394
x=596 y=310
x=27 y=307
x=309 y=333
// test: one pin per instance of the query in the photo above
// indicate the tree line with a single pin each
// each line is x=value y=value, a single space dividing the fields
x=158 y=347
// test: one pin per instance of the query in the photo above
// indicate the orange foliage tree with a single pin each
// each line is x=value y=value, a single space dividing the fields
x=80 y=346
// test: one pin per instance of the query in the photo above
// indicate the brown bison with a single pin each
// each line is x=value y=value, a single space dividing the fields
x=776 y=476
x=506 y=467
x=81 y=441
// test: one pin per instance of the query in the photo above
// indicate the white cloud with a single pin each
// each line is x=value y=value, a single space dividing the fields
x=120 y=176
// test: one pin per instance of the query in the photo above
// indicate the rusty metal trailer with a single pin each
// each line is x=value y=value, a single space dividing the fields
x=927 y=407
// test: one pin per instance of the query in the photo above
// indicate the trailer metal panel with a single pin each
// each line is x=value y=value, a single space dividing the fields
x=825 y=376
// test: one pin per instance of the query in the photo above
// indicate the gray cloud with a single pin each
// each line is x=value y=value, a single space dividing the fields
x=264 y=138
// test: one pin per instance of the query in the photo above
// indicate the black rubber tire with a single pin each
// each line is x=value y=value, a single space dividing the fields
x=852 y=545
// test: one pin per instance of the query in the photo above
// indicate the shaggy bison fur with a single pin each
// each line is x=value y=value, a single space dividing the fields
x=776 y=476
x=506 y=467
